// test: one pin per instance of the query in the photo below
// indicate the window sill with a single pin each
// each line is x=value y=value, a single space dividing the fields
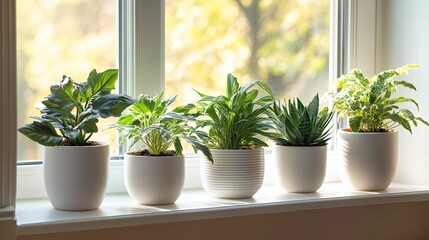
x=36 y=216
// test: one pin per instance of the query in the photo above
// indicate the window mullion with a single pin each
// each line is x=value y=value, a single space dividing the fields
x=142 y=46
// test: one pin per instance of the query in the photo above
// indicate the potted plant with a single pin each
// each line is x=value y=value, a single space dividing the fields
x=301 y=135
x=75 y=168
x=155 y=174
x=368 y=149
x=234 y=122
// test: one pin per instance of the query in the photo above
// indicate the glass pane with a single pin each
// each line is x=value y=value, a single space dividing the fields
x=56 y=38
x=283 y=43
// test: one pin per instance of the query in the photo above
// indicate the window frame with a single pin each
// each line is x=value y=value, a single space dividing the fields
x=142 y=59
x=8 y=95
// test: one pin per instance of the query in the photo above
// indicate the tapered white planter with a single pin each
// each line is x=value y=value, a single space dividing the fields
x=299 y=169
x=234 y=174
x=154 y=180
x=76 y=176
x=367 y=161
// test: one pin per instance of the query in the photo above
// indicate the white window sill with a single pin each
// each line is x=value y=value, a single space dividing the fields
x=36 y=216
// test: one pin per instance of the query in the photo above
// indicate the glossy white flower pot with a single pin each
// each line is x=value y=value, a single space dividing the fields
x=76 y=176
x=234 y=173
x=299 y=169
x=154 y=180
x=367 y=161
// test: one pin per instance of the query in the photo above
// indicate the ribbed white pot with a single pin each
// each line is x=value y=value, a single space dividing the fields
x=299 y=169
x=367 y=161
x=234 y=174
x=154 y=180
x=76 y=176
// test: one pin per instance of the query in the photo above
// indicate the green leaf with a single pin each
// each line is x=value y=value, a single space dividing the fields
x=355 y=123
x=178 y=147
x=111 y=105
x=266 y=88
x=232 y=85
x=422 y=121
x=200 y=146
x=305 y=126
x=405 y=84
x=41 y=132
x=402 y=121
x=61 y=95
x=88 y=125
x=104 y=81
x=404 y=69
x=313 y=107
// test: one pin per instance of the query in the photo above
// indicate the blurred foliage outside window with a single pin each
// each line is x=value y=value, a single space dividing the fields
x=283 y=43
x=56 y=38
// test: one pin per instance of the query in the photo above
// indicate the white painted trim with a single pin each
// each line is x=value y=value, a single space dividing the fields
x=37 y=216
x=7 y=102
x=338 y=51
x=365 y=39
x=142 y=46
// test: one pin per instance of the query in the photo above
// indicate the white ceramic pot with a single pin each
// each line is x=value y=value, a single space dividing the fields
x=154 y=180
x=76 y=176
x=367 y=161
x=299 y=169
x=234 y=173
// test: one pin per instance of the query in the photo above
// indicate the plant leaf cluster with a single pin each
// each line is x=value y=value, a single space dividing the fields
x=370 y=103
x=148 y=121
x=237 y=119
x=299 y=125
x=70 y=113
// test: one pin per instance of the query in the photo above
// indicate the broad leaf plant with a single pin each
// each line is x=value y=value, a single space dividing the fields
x=236 y=120
x=70 y=113
x=371 y=104
x=149 y=122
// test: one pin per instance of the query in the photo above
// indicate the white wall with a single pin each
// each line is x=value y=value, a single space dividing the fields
x=405 y=39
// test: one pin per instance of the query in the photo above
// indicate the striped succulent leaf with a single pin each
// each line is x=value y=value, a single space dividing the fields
x=299 y=125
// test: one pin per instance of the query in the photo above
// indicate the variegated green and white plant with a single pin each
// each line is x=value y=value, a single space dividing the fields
x=370 y=103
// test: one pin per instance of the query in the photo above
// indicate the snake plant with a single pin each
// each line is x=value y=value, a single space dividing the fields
x=299 y=125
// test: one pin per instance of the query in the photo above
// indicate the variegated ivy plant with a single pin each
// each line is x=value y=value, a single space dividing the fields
x=370 y=103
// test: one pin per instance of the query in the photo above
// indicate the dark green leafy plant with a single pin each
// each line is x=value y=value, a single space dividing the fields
x=73 y=110
x=237 y=119
x=370 y=104
x=299 y=125
x=148 y=121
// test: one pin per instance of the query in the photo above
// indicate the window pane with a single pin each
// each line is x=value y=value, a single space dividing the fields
x=56 y=38
x=283 y=43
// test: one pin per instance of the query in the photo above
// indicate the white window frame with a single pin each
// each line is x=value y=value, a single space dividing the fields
x=8 y=103
x=142 y=61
